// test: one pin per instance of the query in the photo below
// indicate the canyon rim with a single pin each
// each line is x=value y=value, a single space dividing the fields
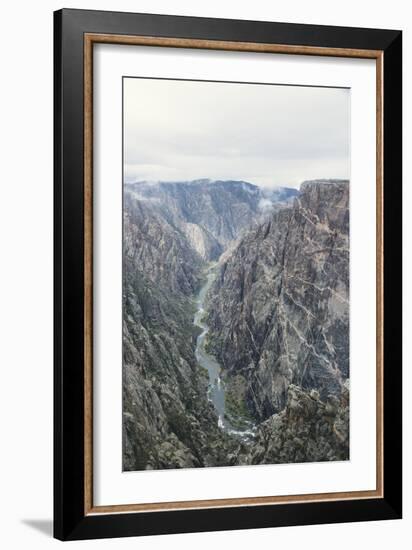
x=235 y=274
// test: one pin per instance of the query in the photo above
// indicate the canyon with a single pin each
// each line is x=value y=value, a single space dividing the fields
x=235 y=323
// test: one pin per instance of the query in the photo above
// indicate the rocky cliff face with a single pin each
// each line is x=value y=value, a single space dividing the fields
x=279 y=309
x=306 y=430
x=155 y=248
x=167 y=420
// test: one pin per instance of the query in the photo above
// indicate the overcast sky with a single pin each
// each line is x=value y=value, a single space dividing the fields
x=265 y=134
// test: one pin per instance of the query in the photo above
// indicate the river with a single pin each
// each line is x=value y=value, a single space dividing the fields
x=216 y=389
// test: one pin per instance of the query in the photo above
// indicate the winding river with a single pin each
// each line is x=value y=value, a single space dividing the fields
x=216 y=391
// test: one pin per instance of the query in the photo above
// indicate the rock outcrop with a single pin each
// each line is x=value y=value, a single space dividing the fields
x=306 y=430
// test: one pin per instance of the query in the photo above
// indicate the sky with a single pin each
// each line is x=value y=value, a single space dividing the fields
x=269 y=135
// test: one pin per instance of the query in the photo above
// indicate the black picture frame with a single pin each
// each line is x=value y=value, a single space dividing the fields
x=70 y=520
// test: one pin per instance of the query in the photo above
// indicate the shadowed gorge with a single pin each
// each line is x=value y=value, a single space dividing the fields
x=235 y=324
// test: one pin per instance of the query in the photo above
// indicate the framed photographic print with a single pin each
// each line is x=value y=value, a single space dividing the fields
x=227 y=274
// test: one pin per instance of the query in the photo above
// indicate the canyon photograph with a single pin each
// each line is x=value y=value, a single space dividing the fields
x=235 y=274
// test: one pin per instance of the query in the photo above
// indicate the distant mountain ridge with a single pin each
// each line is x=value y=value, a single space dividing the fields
x=210 y=213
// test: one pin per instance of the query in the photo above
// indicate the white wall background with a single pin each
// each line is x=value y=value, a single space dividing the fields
x=26 y=272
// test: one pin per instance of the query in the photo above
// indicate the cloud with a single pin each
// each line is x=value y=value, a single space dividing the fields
x=265 y=204
x=267 y=134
